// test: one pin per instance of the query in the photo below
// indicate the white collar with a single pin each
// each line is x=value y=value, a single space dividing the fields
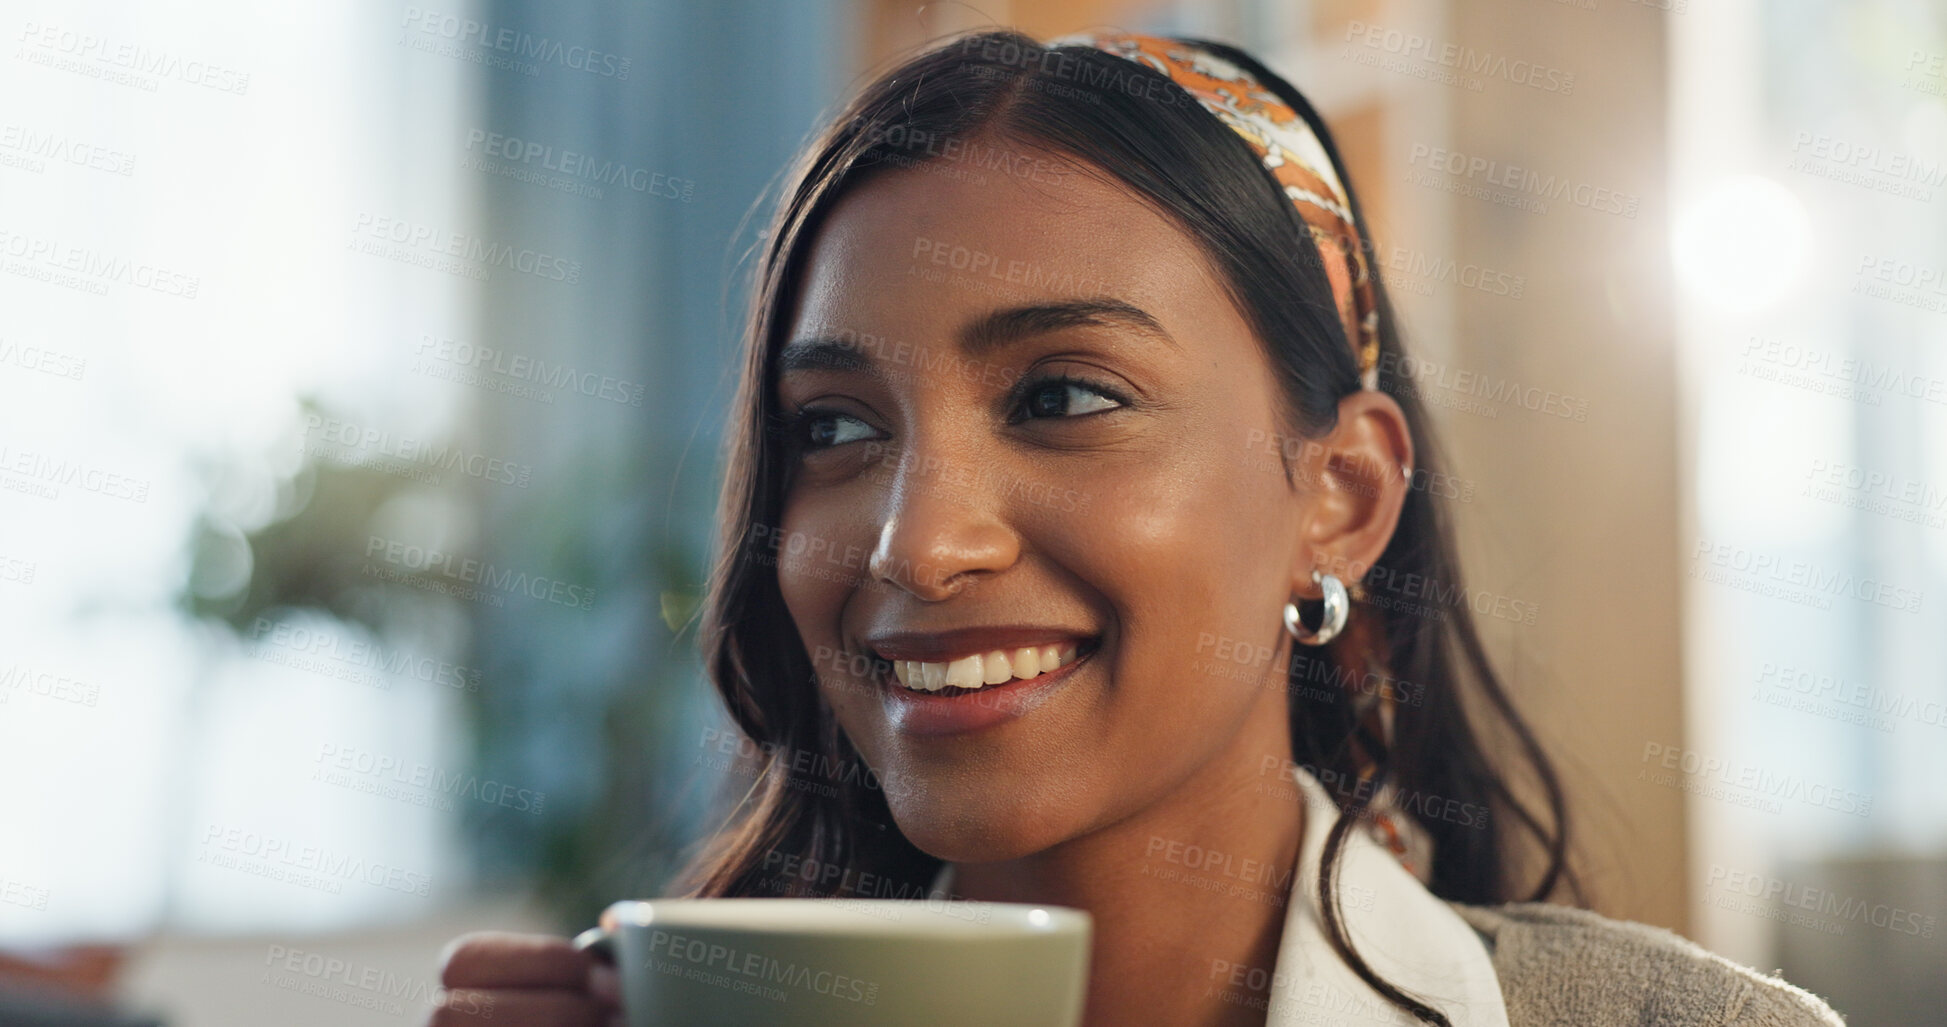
x=1410 y=937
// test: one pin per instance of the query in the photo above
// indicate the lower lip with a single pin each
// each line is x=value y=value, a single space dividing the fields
x=926 y=714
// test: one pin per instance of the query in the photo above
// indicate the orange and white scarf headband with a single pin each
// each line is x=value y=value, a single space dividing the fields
x=1289 y=150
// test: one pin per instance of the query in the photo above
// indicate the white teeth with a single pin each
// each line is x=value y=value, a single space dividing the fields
x=991 y=668
x=964 y=672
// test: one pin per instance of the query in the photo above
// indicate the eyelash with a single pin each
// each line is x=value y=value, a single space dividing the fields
x=797 y=421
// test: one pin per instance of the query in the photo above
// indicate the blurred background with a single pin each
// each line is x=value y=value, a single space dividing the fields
x=362 y=368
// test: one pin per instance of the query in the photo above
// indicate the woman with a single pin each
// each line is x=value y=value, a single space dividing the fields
x=1074 y=536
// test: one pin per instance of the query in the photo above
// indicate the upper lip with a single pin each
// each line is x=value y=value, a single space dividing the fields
x=946 y=646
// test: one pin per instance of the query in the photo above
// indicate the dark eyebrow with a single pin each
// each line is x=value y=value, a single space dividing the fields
x=1004 y=326
x=822 y=355
x=984 y=334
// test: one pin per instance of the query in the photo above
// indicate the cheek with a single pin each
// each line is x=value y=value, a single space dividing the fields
x=822 y=548
x=1192 y=551
x=820 y=558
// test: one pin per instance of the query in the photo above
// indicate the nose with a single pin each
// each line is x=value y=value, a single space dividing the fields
x=942 y=530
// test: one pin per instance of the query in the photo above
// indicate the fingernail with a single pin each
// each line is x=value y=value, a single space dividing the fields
x=604 y=983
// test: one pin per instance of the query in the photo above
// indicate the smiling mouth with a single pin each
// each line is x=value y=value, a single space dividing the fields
x=984 y=671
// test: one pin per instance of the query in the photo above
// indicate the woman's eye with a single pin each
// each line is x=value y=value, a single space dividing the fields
x=1067 y=397
x=825 y=430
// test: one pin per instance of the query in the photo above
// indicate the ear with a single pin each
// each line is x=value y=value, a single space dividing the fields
x=1356 y=478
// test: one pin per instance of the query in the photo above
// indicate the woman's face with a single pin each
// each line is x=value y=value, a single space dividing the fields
x=1047 y=426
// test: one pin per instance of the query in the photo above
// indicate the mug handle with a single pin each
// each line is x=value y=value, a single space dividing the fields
x=599 y=940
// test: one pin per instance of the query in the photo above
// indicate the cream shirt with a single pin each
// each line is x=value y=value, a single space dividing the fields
x=1408 y=936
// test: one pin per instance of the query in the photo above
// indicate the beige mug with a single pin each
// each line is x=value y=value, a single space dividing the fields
x=849 y=962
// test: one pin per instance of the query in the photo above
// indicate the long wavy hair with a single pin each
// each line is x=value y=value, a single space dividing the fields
x=795 y=833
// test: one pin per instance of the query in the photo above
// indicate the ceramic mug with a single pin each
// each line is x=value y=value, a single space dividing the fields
x=850 y=962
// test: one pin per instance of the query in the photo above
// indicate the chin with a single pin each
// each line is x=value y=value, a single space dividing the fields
x=971 y=832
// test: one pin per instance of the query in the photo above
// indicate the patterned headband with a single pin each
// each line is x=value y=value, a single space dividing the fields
x=1289 y=150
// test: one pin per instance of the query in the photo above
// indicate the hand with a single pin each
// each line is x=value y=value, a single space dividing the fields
x=511 y=979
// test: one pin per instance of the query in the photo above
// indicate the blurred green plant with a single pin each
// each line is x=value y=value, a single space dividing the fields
x=585 y=707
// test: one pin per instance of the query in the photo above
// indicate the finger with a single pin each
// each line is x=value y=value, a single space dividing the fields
x=605 y=983
x=463 y=1006
x=498 y=959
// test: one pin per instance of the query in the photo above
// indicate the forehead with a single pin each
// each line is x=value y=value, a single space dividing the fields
x=919 y=251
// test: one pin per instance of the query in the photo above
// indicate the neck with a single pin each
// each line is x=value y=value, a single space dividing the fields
x=1183 y=893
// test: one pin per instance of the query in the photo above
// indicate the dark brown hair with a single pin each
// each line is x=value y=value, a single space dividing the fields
x=1148 y=134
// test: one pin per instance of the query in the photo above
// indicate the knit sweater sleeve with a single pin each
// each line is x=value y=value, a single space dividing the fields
x=1561 y=965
